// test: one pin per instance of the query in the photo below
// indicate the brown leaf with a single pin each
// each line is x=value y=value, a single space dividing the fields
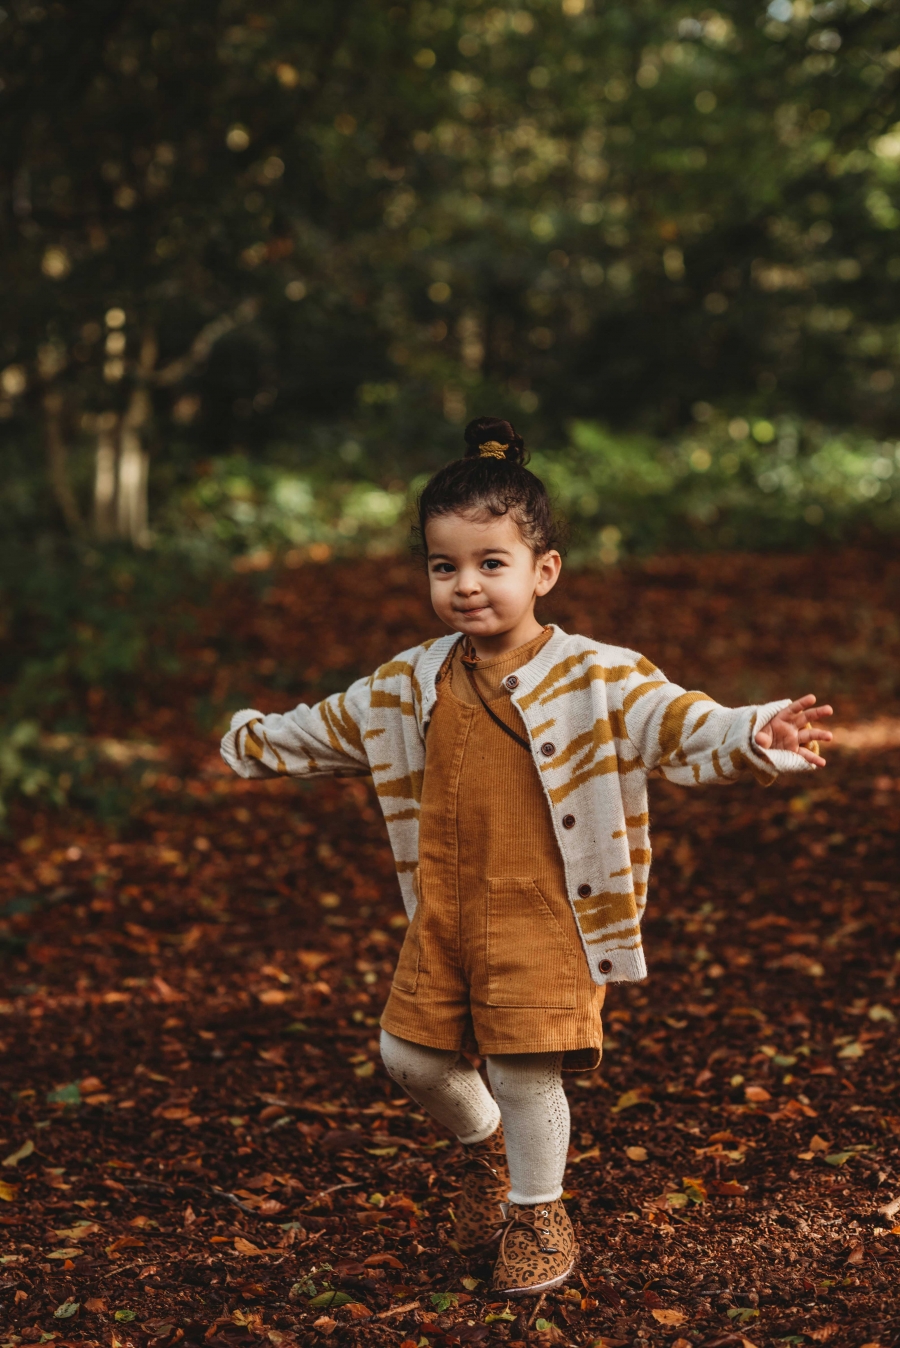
x=382 y=1260
x=668 y=1317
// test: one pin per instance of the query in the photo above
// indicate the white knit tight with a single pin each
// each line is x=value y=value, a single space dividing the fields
x=528 y=1095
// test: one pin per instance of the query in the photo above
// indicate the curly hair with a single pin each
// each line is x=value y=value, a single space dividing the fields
x=492 y=479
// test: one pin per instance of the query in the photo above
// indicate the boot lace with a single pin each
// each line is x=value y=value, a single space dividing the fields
x=536 y=1221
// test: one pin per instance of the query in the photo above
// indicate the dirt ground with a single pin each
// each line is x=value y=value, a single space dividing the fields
x=200 y=1144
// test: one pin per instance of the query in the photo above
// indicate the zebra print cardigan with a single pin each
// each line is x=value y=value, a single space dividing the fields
x=600 y=719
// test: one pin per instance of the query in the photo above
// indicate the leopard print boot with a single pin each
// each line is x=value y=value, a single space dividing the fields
x=479 y=1215
x=537 y=1249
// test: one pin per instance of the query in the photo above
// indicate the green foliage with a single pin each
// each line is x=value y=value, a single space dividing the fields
x=346 y=228
x=22 y=771
x=725 y=484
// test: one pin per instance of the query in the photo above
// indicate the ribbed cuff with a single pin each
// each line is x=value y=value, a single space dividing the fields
x=531 y=1200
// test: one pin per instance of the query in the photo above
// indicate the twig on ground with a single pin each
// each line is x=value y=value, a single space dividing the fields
x=538 y=1304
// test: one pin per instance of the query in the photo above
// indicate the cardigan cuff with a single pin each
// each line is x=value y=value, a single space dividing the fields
x=228 y=748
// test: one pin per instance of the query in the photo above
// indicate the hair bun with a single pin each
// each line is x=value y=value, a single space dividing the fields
x=494 y=431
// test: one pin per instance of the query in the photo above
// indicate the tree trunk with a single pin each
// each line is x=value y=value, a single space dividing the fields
x=58 y=459
x=106 y=475
x=132 y=513
x=131 y=500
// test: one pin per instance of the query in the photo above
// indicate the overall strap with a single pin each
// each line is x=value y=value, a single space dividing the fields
x=469 y=665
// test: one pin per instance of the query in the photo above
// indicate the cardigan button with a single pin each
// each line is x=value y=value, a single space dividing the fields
x=512 y=682
x=605 y=966
x=548 y=749
x=584 y=890
x=568 y=821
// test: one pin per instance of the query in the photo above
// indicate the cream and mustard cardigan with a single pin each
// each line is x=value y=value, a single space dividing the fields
x=600 y=720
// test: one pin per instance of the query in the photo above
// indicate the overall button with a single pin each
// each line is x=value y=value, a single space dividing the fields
x=605 y=966
x=548 y=749
x=512 y=682
x=568 y=821
x=584 y=890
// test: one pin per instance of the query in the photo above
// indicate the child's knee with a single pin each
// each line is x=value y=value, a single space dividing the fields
x=517 y=1077
x=414 y=1066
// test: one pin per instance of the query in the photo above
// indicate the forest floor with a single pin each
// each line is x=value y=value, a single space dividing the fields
x=200 y=1143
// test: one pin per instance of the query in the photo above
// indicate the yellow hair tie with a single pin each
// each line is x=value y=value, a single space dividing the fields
x=492 y=449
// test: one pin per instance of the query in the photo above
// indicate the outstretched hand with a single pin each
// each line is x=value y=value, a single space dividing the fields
x=795 y=729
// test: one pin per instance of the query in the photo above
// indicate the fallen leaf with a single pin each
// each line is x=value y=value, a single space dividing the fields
x=856 y=1255
x=631 y=1098
x=76 y=1232
x=313 y=959
x=66 y=1310
x=8 y=1192
x=817 y=1143
x=68 y=1094
x=695 y=1189
x=330 y=1299
x=636 y=1153
x=124 y=1316
x=245 y=1246
x=669 y=1317
x=325 y=1325
x=756 y=1095
x=70 y=1252
x=379 y=1260
x=357 y=1311
x=443 y=1301
x=15 y=1157
x=123 y=1243
x=97 y=1305
x=838 y=1158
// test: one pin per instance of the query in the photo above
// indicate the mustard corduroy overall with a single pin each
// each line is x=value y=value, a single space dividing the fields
x=492 y=959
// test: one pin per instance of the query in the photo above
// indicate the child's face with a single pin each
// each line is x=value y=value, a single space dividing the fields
x=484 y=577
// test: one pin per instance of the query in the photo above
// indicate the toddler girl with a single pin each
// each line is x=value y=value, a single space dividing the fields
x=511 y=762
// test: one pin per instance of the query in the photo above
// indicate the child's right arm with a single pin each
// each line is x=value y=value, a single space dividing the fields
x=325 y=739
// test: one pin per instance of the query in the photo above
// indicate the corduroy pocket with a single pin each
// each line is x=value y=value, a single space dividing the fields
x=530 y=959
x=406 y=975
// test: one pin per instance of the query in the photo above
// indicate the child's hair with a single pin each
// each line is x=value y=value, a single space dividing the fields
x=492 y=478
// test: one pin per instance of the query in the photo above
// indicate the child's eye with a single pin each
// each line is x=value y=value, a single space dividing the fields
x=443 y=568
x=493 y=563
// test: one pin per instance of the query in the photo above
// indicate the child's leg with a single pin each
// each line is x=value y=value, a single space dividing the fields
x=445 y=1084
x=529 y=1091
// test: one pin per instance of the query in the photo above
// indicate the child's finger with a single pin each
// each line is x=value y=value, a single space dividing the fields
x=818 y=713
x=802 y=703
x=810 y=757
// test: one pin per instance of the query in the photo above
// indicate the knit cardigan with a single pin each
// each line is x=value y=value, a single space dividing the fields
x=600 y=719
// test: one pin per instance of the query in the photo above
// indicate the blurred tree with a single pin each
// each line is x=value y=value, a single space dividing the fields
x=329 y=232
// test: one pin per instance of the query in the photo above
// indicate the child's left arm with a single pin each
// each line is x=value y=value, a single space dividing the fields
x=689 y=738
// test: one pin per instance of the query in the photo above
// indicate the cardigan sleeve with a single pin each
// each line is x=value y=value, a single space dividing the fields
x=688 y=738
x=325 y=739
